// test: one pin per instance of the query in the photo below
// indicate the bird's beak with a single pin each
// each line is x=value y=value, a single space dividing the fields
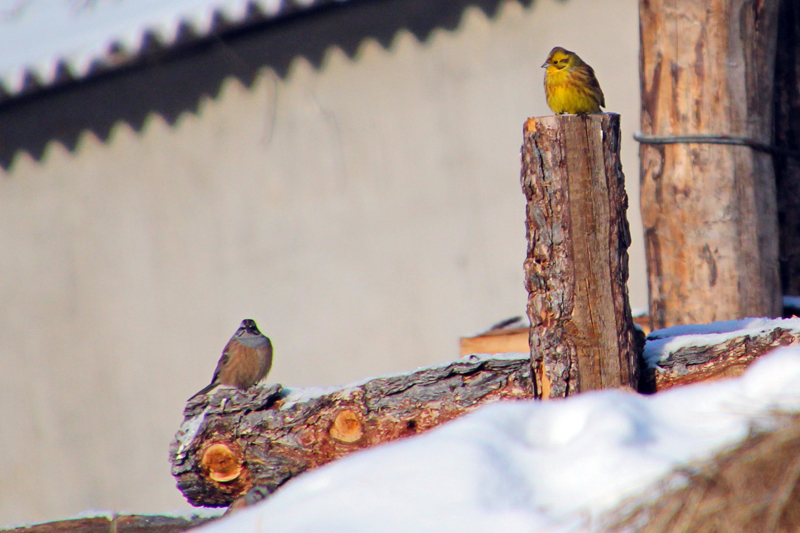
x=546 y=64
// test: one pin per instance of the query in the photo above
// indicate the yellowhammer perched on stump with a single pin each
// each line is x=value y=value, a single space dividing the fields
x=570 y=84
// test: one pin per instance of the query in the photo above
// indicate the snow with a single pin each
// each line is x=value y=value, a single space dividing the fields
x=304 y=394
x=188 y=431
x=187 y=514
x=661 y=342
x=791 y=301
x=553 y=466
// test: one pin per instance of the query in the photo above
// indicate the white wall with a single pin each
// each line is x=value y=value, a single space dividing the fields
x=366 y=214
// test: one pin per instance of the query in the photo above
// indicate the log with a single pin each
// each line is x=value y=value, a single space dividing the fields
x=679 y=358
x=787 y=135
x=582 y=334
x=117 y=523
x=237 y=447
x=709 y=210
x=233 y=442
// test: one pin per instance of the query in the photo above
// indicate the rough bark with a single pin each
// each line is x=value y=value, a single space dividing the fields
x=709 y=210
x=237 y=447
x=234 y=441
x=787 y=135
x=116 y=524
x=576 y=269
x=692 y=364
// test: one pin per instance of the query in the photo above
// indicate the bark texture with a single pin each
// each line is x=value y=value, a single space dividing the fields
x=692 y=364
x=116 y=524
x=709 y=211
x=234 y=441
x=787 y=135
x=582 y=335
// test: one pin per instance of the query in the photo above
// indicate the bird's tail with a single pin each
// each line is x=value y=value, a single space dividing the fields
x=204 y=390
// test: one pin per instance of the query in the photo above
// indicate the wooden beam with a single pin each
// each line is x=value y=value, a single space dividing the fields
x=497 y=341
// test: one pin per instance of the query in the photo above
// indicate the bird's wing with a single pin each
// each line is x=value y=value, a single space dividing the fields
x=595 y=85
x=223 y=360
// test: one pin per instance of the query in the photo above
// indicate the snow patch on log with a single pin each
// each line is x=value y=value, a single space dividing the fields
x=664 y=342
x=303 y=394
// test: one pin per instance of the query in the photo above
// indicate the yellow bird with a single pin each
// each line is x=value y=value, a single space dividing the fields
x=570 y=84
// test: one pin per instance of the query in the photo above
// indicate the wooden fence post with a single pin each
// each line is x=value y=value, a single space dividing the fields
x=709 y=209
x=582 y=334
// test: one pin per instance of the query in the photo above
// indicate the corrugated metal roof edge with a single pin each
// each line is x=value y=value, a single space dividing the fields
x=150 y=47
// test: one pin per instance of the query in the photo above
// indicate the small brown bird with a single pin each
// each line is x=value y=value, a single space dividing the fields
x=245 y=361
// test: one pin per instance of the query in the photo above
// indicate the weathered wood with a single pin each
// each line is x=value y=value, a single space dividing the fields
x=233 y=441
x=237 y=447
x=497 y=341
x=116 y=524
x=787 y=135
x=704 y=362
x=576 y=269
x=709 y=210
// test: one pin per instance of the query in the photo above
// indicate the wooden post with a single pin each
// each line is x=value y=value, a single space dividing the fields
x=787 y=134
x=709 y=210
x=582 y=335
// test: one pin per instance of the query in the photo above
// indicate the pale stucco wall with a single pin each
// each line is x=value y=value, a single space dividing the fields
x=366 y=214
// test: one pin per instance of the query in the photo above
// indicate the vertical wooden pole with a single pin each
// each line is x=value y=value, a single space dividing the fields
x=709 y=210
x=787 y=134
x=576 y=270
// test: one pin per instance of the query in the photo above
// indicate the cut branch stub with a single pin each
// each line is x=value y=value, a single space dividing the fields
x=220 y=463
x=346 y=427
x=576 y=271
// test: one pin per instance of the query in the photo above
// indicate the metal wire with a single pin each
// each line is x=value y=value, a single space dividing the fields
x=715 y=139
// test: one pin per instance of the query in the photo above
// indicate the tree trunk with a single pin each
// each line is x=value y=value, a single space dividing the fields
x=787 y=135
x=232 y=441
x=709 y=210
x=582 y=335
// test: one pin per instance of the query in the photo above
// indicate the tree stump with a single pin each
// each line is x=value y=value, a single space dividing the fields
x=582 y=334
x=709 y=210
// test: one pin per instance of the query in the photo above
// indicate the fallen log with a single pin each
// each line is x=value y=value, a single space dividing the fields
x=233 y=441
x=688 y=354
x=121 y=523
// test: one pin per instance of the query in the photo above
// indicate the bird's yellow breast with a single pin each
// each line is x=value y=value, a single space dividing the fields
x=565 y=95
